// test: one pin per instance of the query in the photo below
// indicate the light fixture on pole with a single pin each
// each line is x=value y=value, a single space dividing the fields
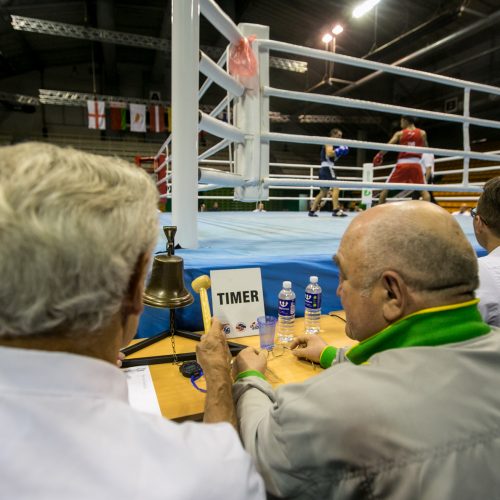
x=327 y=38
x=328 y=76
x=336 y=30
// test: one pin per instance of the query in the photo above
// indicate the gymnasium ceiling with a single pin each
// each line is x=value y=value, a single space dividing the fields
x=468 y=29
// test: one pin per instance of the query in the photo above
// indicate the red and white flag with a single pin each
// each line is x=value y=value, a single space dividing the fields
x=137 y=118
x=97 y=115
x=156 y=118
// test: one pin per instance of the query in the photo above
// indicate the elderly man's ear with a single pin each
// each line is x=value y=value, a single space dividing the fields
x=394 y=296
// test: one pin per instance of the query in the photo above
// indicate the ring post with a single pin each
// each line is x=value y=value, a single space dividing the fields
x=185 y=76
x=252 y=117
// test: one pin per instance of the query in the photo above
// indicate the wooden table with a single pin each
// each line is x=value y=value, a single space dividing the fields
x=179 y=400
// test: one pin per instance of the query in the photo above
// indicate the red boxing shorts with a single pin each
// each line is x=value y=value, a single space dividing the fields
x=407 y=173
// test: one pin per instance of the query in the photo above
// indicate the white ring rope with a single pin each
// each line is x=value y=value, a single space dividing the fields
x=372 y=106
x=212 y=70
x=372 y=185
x=377 y=66
x=319 y=140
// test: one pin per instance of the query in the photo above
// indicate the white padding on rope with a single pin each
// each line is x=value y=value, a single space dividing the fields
x=219 y=76
x=346 y=102
x=220 y=128
x=268 y=181
x=376 y=66
x=214 y=149
x=226 y=179
x=220 y=20
x=320 y=141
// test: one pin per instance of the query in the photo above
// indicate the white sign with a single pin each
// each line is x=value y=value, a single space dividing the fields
x=237 y=300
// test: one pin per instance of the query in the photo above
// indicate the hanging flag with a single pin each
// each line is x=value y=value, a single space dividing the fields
x=156 y=118
x=118 y=116
x=97 y=118
x=137 y=118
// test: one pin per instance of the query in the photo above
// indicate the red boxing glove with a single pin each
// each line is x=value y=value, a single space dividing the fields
x=378 y=159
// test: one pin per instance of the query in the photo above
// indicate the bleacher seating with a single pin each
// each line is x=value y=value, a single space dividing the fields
x=123 y=148
x=455 y=178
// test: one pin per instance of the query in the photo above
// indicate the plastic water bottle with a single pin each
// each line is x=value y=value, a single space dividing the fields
x=286 y=313
x=312 y=312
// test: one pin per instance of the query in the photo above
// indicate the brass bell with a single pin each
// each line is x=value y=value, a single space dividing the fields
x=166 y=286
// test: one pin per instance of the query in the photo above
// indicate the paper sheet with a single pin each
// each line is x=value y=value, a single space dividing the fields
x=141 y=391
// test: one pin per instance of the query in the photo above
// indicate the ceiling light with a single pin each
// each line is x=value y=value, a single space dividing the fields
x=364 y=7
x=337 y=29
x=327 y=38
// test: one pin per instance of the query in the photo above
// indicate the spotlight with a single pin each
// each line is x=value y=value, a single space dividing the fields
x=327 y=38
x=364 y=7
x=337 y=29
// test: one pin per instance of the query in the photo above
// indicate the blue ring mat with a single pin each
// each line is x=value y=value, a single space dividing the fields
x=285 y=245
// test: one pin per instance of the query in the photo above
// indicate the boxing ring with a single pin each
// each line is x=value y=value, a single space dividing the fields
x=284 y=245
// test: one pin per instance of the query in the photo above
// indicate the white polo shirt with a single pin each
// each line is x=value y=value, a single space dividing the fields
x=69 y=433
x=488 y=292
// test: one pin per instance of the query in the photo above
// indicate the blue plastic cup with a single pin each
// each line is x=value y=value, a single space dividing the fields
x=267 y=328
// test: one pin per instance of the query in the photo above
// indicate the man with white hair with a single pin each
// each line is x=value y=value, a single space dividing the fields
x=410 y=412
x=76 y=234
x=487 y=229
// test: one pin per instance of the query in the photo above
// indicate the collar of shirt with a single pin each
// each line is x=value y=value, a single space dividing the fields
x=60 y=373
x=428 y=327
x=495 y=252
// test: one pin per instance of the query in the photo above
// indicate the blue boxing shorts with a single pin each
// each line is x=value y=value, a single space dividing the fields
x=326 y=174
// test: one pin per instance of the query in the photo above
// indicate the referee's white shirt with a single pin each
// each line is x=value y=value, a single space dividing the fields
x=488 y=292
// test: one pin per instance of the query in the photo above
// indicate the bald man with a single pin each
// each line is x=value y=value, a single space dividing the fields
x=413 y=410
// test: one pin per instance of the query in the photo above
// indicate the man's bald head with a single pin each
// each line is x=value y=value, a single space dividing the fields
x=420 y=241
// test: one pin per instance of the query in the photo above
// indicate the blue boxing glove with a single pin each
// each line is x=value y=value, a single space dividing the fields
x=341 y=151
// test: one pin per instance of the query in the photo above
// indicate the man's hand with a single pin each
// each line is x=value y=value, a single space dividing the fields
x=212 y=352
x=308 y=346
x=121 y=357
x=250 y=359
x=214 y=357
x=378 y=159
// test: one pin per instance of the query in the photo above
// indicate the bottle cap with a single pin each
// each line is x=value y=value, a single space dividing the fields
x=313 y=279
x=287 y=284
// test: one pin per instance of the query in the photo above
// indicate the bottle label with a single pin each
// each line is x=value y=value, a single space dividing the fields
x=313 y=300
x=286 y=307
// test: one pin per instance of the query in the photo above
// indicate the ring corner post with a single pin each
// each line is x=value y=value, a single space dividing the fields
x=252 y=117
x=185 y=70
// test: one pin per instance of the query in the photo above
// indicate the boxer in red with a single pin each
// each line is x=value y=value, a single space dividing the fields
x=408 y=168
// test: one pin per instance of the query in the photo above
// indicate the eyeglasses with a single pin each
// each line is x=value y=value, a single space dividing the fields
x=473 y=212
